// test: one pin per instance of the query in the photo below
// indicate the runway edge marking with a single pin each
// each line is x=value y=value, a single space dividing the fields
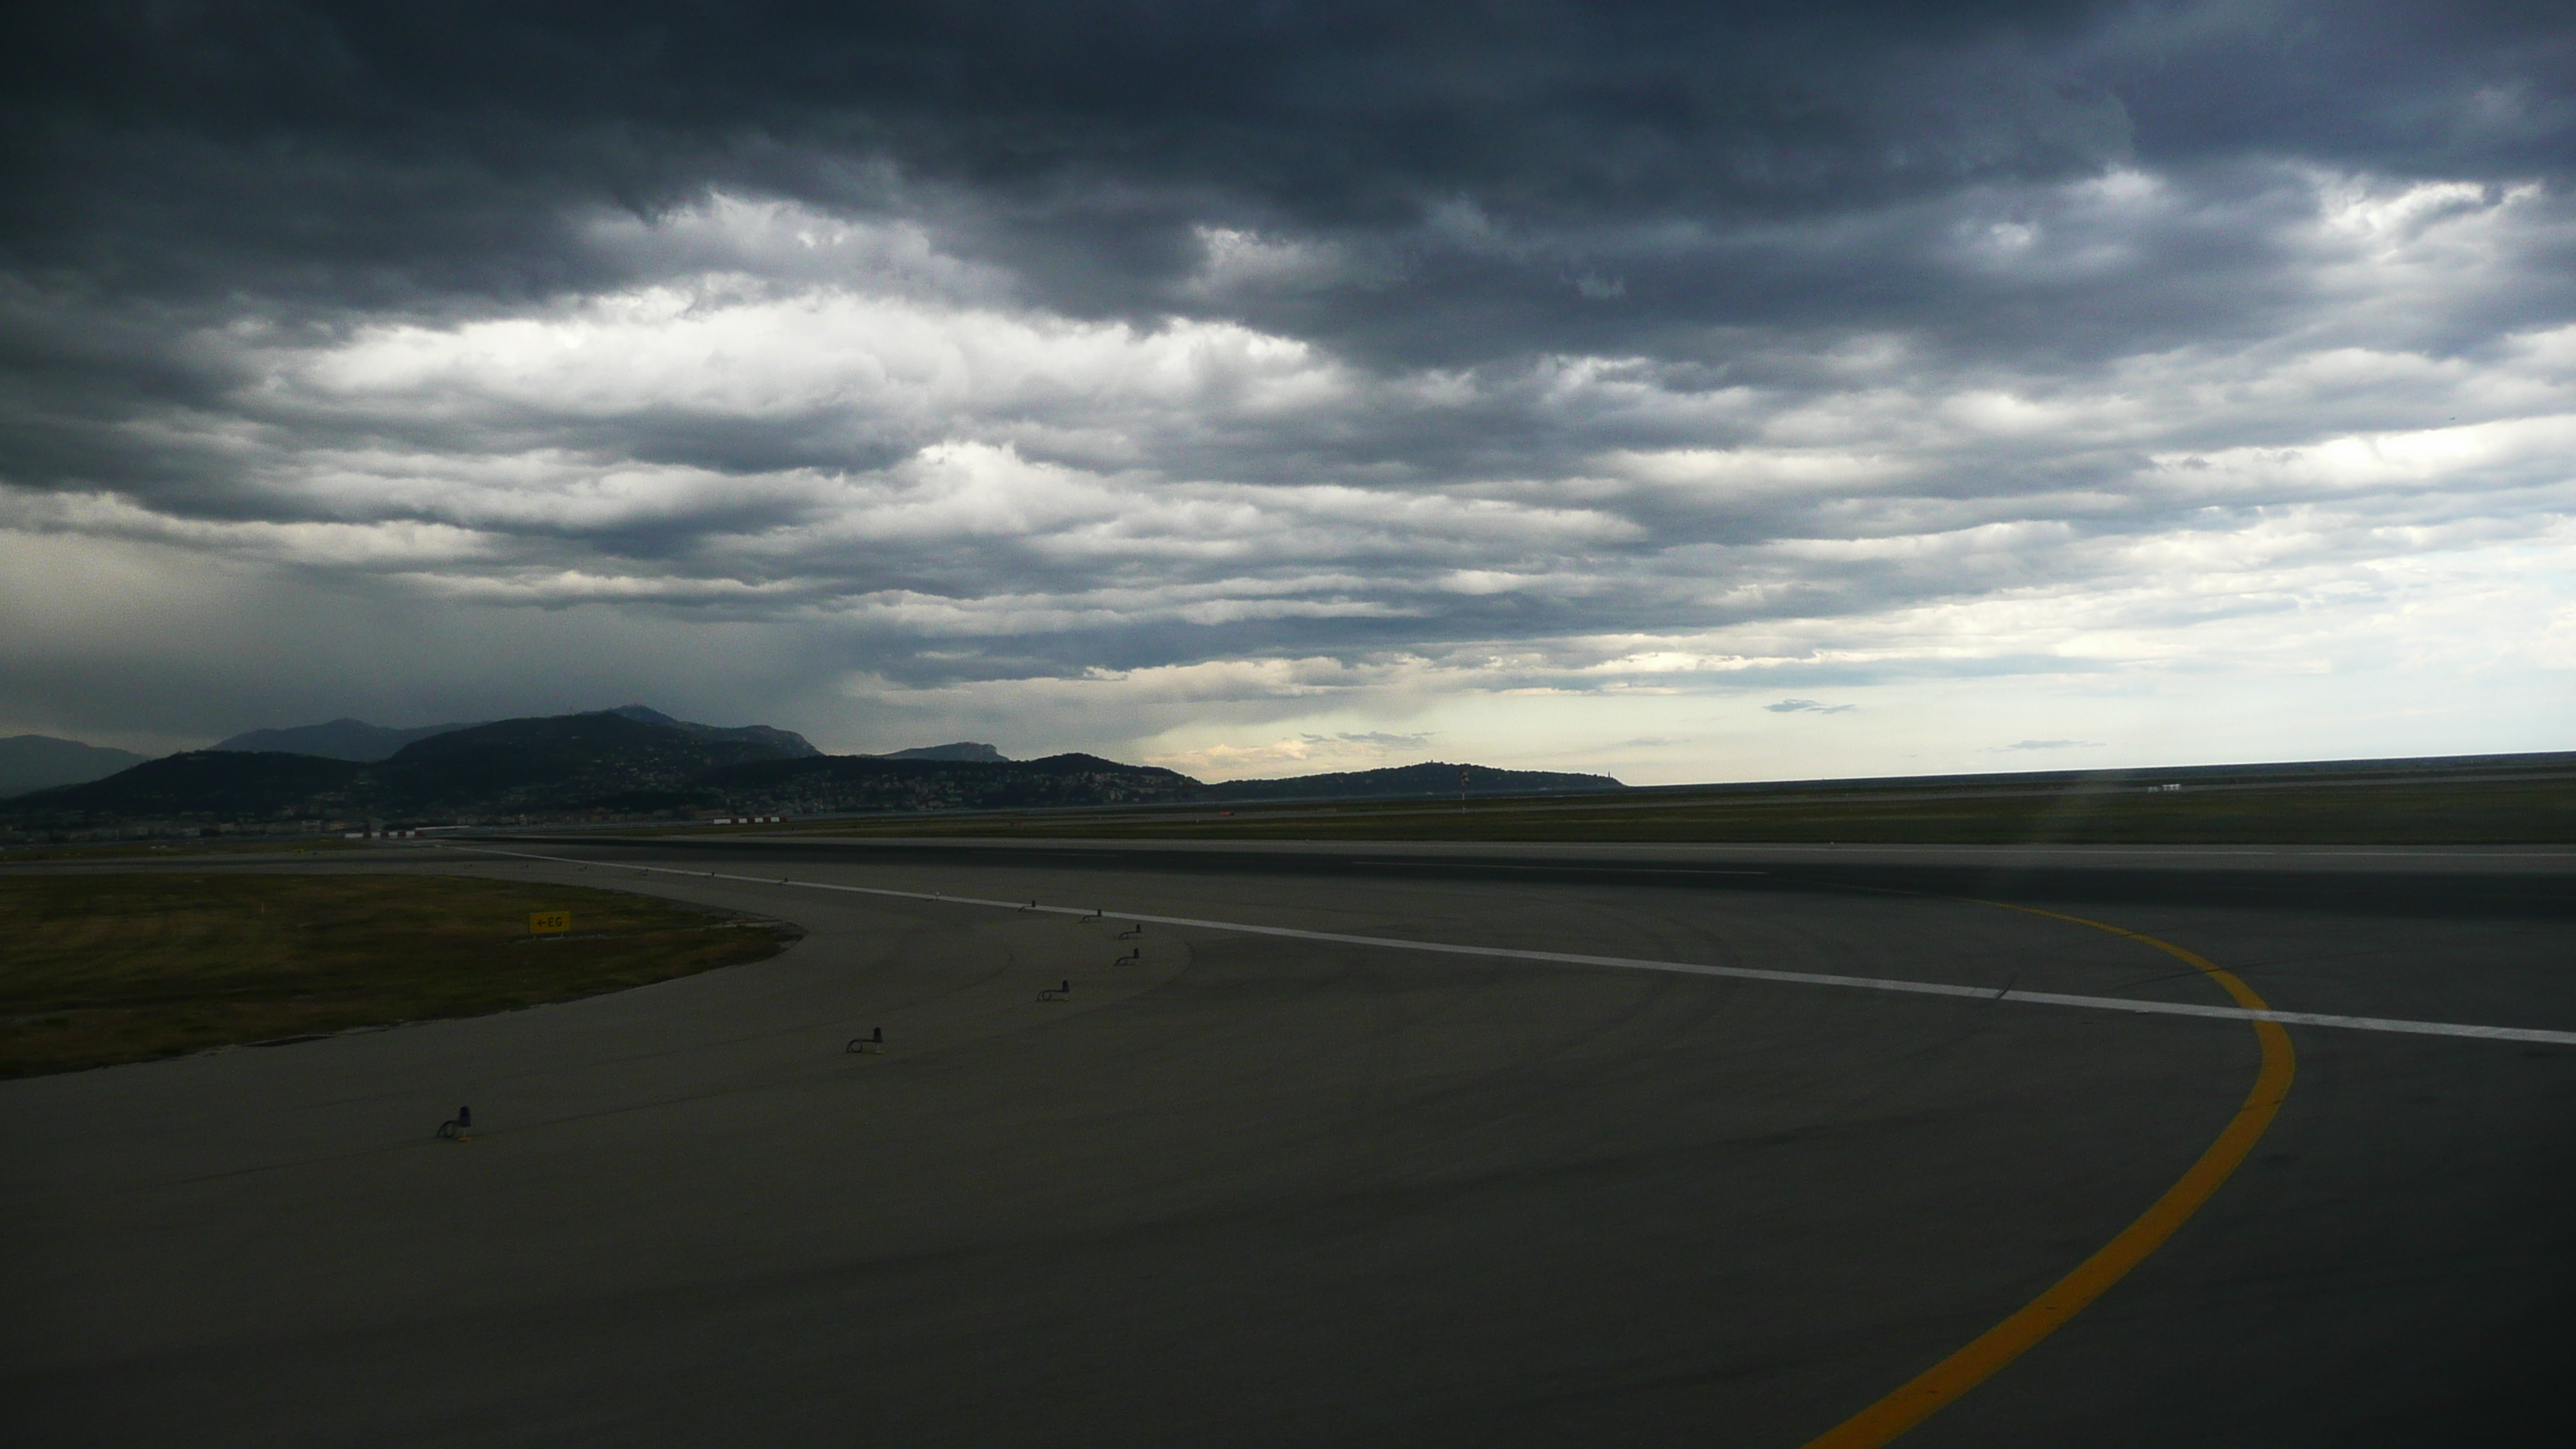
x=1684 y=968
x=1928 y=1392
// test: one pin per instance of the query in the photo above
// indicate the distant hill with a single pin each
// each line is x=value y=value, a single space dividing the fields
x=341 y=739
x=1429 y=780
x=37 y=762
x=212 y=784
x=566 y=764
x=962 y=750
x=633 y=762
x=786 y=741
x=355 y=739
x=838 y=783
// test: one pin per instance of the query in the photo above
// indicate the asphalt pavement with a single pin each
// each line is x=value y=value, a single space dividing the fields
x=1274 y=1190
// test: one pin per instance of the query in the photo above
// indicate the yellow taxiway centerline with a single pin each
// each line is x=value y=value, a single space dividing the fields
x=1925 y=1394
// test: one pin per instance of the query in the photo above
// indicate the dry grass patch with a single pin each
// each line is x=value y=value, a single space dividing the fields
x=119 y=967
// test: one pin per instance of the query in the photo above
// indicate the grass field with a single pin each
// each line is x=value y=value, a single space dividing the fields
x=119 y=967
x=2536 y=807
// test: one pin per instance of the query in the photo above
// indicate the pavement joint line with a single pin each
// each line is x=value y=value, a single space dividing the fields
x=2389 y=1025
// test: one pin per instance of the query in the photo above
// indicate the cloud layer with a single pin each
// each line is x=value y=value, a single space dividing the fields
x=1302 y=389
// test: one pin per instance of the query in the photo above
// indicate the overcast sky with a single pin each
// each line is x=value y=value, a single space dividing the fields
x=1688 y=392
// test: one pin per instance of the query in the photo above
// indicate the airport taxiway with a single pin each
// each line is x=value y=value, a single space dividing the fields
x=1254 y=1189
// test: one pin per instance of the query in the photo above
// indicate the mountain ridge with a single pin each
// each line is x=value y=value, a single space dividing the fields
x=962 y=751
x=837 y=784
x=540 y=765
x=771 y=735
x=41 y=762
x=635 y=763
x=345 y=738
x=1432 y=778
x=350 y=738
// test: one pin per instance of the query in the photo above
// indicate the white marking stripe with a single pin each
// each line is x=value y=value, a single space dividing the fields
x=1608 y=869
x=1626 y=963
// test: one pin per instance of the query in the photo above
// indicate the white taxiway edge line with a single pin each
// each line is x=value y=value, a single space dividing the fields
x=1627 y=963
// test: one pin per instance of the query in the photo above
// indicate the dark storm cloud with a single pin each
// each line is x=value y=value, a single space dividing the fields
x=380 y=149
x=971 y=344
x=1617 y=180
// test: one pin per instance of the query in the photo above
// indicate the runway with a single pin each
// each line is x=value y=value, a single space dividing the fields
x=1275 y=1189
